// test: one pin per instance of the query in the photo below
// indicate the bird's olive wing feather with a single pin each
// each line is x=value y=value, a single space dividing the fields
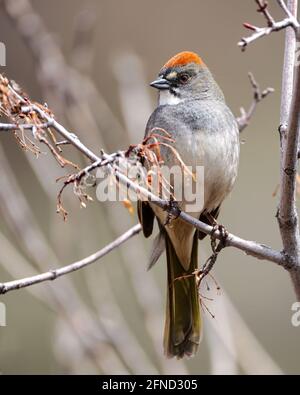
x=146 y=217
x=207 y=219
x=183 y=319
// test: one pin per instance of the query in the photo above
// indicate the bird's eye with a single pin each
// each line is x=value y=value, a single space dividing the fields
x=183 y=78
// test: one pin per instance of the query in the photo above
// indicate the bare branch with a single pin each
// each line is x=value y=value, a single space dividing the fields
x=290 y=10
x=54 y=274
x=245 y=117
x=290 y=128
x=8 y=127
x=263 y=8
x=252 y=248
x=257 y=250
x=272 y=25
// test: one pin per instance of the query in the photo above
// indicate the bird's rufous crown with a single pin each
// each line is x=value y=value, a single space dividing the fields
x=182 y=59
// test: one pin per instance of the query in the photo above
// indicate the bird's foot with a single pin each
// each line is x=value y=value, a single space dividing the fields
x=223 y=236
x=216 y=249
x=173 y=211
x=211 y=219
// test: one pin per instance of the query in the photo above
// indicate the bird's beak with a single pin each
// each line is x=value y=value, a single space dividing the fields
x=160 y=83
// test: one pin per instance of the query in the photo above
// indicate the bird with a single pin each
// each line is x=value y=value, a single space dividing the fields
x=192 y=110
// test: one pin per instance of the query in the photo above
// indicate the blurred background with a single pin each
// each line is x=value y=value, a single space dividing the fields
x=92 y=63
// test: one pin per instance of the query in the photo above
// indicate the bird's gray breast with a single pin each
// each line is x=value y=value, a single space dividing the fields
x=205 y=134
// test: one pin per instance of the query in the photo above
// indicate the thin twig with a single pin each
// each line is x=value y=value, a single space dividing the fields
x=64 y=296
x=42 y=115
x=54 y=274
x=245 y=117
x=8 y=127
x=250 y=247
x=290 y=10
x=263 y=8
x=272 y=25
x=287 y=212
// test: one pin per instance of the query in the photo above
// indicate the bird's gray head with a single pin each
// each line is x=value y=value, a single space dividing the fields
x=185 y=77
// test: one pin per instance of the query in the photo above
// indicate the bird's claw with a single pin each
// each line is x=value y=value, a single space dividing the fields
x=222 y=231
x=173 y=211
x=216 y=248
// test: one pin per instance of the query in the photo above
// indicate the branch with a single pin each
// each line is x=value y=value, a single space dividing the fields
x=243 y=120
x=54 y=274
x=272 y=26
x=260 y=251
x=252 y=248
x=258 y=96
x=290 y=128
x=91 y=113
x=8 y=127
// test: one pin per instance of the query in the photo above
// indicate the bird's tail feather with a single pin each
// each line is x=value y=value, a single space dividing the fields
x=183 y=322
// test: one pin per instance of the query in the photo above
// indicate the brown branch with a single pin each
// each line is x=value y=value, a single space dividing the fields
x=54 y=274
x=263 y=8
x=257 y=250
x=8 y=127
x=258 y=95
x=252 y=248
x=272 y=25
x=290 y=128
x=88 y=111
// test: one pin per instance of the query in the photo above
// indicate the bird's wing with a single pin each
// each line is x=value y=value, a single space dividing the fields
x=208 y=220
x=146 y=217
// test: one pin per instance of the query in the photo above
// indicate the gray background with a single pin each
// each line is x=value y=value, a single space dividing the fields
x=130 y=42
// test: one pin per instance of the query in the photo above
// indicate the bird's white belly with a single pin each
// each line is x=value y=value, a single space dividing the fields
x=214 y=154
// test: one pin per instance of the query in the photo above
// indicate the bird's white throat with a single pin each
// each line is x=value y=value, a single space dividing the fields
x=166 y=97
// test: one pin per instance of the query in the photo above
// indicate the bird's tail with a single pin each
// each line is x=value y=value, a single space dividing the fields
x=183 y=322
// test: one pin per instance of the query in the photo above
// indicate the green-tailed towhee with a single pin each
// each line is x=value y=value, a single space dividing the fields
x=192 y=110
